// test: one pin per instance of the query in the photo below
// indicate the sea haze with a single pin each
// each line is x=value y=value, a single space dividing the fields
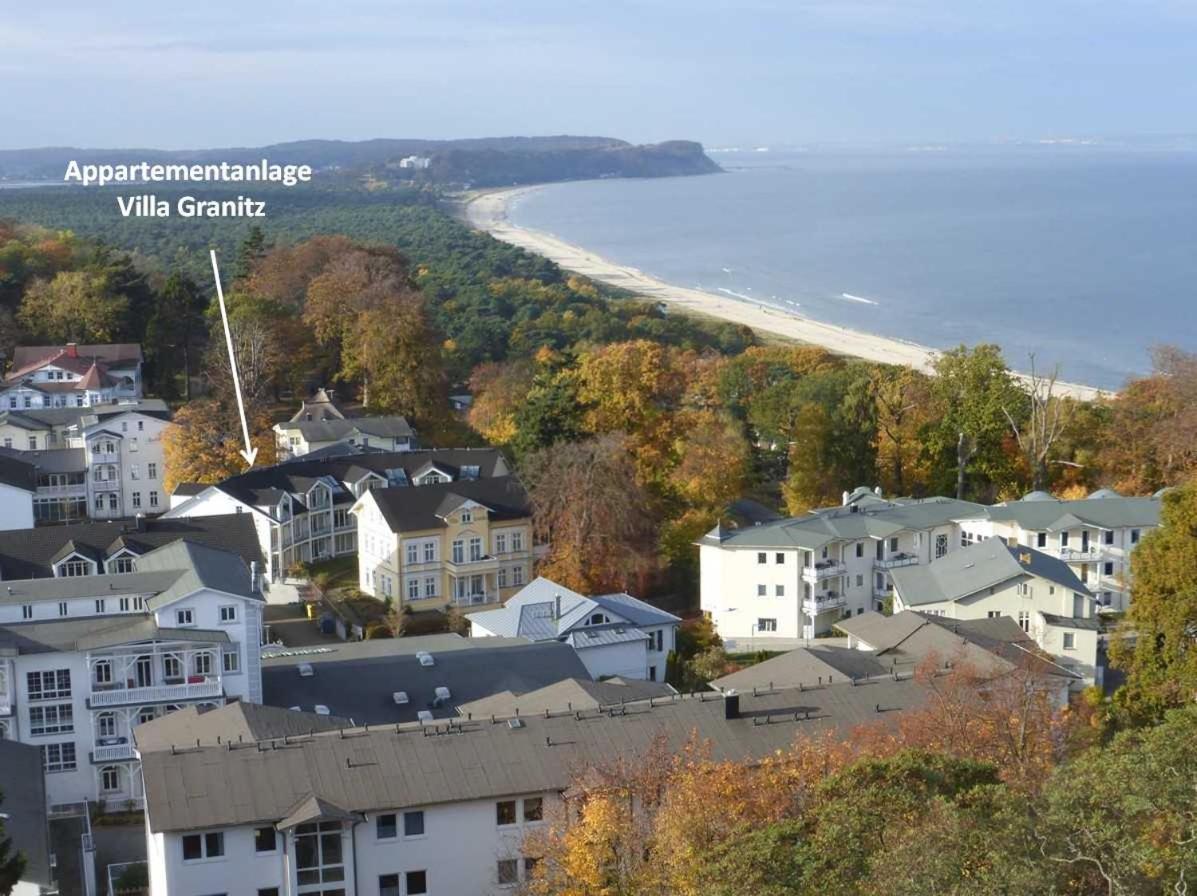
x=1085 y=258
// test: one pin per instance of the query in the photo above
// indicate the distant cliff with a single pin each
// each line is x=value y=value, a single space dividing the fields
x=485 y=167
x=487 y=161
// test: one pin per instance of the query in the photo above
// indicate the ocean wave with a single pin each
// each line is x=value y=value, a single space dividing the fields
x=851 y=298
x=738 y=295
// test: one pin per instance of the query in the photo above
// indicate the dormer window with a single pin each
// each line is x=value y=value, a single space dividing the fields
x=74 y=566
x=122 y=563
x=467 y=516
x=598 y=619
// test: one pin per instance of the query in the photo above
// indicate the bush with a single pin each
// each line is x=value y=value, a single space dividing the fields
x=378 y=630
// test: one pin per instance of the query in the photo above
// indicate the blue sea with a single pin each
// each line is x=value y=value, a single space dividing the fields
x=1084 y=258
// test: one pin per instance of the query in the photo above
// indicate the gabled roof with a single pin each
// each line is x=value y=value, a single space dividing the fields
x=231 y=723
x=414 y=508
x=202 y=567
x=118 y=354
x=806 y=666
x=336 y=429
x=568 y=695
x=31 y=553
x=321 y=406
x=1104 y=509
x=983 y=565
x=313 y=808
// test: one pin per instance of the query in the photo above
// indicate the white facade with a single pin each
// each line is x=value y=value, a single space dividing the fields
x=79 y=695
x=16 y=507
x=462 y=849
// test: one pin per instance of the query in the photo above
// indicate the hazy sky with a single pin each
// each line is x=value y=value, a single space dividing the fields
x=219 y=73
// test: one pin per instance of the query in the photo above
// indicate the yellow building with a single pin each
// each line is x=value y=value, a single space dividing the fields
x=466 y=543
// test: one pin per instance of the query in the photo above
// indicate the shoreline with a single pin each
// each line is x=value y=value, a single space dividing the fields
x=487 y=210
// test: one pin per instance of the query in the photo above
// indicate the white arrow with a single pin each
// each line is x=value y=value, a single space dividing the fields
x=250 y=452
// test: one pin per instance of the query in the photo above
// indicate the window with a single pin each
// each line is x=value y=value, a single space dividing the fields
x=762 y=590
x=413 y=823
x=413 y=552
x=762 y=558
x=505 y=812
x=26 y=611
x=134 y=472
x=508 y=872
x=475 y=549
x=534 y=809
x=203 y=846
x=386 y=827
x=530 y=867
x=228 y=613
x=658 y=640
x=58 y=757
x=103 y=672
x=58 y=718
x=184 y=617
x=1108 y=569
x=33 y=443
x=779 y=590
x=100 y=605
x=122 y=564
x=893 y=544
x=153 y=499
x=1041 y=540
x=430 y=587
x=50 y=685
x=265 y=839
x=106 y=724
x=62 y=608
x=151 y=471
x=994 y=614
x=388 y=885
x=74 y=568
x=201 y=664
x=500 y=543
x=860 y=549
x=268 y=891
x=1024 y=620
x=859 y=581
x=941 y=545
x=459 y=551
x=1069 y=641
x=779 y=557
x=429 y=551
x=110 y=779
x=1134 y=536
x=417 y=883
x=231 y=661
x=1063 y=539
x=502 y=577
x=413 y=588
x=172 y=669
x=136 y=500
x=319 y=855
x=766 y=625
x=517 y=575
x=467 y=516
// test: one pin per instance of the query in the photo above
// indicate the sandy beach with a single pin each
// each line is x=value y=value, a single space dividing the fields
x=487 y=210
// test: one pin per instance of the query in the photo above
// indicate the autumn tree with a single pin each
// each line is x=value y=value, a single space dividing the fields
x=1039 y=422
x=74 y=306
x=498 y=390
x=903 y=403
x=587 y=506
x=205 y=442
x=1157 y=645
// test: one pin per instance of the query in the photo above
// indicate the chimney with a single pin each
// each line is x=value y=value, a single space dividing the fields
x=72 y=350
x=557 y=607
x=877 y=490
x=139 y=522
x=731 y=704
x=846 y=497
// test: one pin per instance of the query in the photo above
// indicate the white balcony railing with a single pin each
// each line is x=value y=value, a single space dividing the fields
x=105 y=485
x=473 y=600
x=1090 y=554
x=209 y=687
x=113 y=754
x=895 y=560
x=76 y=491
x=824 y=569
x=823 y=602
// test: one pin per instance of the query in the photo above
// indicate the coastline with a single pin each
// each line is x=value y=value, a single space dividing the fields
x=487 y=210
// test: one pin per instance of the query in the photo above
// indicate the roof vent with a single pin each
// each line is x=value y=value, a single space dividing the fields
x=321 y=709
x=424 y=716
x=425 y=658
x=400 y=698
x=306 y=670
x=442 y=696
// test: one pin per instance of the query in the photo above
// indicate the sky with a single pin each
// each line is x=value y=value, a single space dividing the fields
x=143 y=73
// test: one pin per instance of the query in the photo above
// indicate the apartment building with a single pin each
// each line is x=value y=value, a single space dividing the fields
x=18 y=485
x=321 y=423
x=616 y=635
x=1094 y=536
x=457 y=542
x=71 y=375
x=101 y=461
x=405 y=810
x=86 y=657
x=991 y=579
x=797 y=577
x=301 y=507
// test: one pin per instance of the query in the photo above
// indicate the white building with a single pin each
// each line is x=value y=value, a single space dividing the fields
x=991 y=579
x=71 y=375
x=405 y=810
x=1094 y=536
x=102 y=461
x=320 y=423
x=797 y=577
x=85 y=658
x=616 y=635
x=301 y=507
x=18 y=484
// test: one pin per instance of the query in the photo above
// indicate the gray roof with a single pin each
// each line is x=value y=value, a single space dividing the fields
x=413 y=508
x=1088 y=623
x=232 y=723
x=95 y=632
x=18 y=472
x=808 y=666
x=336 y=429
x=359 y=681
x=52 y=460
x=405 y=766
x=31 y=553
x=566 y=696
x=23 y=800
x=59 y=418
x=864 y=516
x=976 y=568
x=1104 y=509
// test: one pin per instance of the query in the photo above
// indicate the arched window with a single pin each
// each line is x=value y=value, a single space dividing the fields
x=106 y=724
x=110 y=779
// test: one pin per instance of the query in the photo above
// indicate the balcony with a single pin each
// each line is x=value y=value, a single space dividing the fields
x=105 y=457
x=105 y=485
x=115 y=753
x=893 y=561
x=1091 y=554
x=159 y=693
x=79 y=490
x=475 y=600
x=824 y=569
x=473 y=567
x=821 y=603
